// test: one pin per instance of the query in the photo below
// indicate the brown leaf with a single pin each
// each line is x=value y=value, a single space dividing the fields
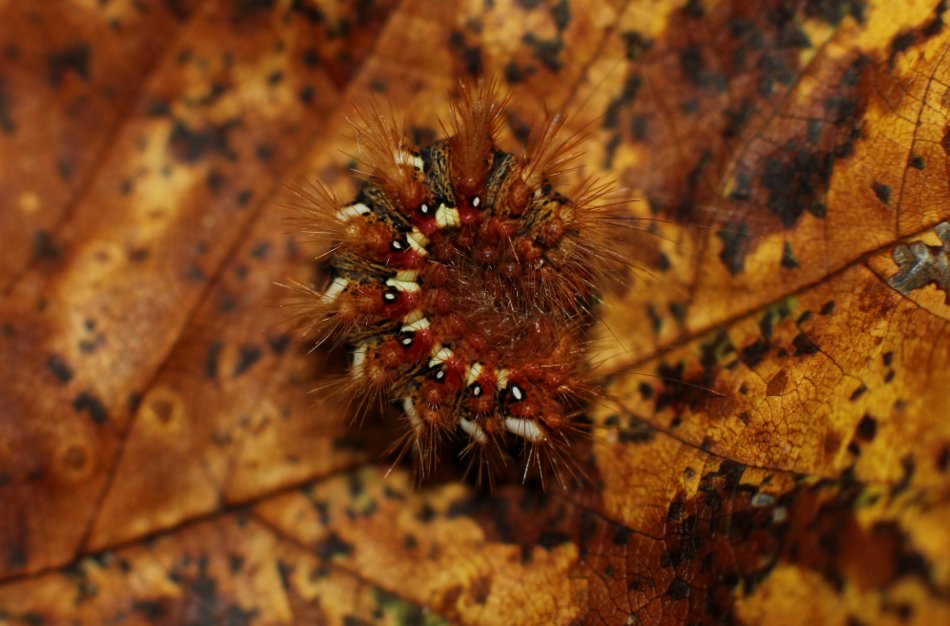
x=775 y=449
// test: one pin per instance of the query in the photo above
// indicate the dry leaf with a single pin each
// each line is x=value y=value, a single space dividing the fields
x=777 y=450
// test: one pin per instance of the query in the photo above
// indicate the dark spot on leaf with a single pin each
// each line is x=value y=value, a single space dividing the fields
x=611 y=150
x=66 y=168
x=451 y=595
x=678 y=589
x=827 y=308
x=73 y=58
x=226 y=303
x=244 y=197
x=736 y=119
x=205 y=606
x=310 y=10
x=426 y=513
x=244 y=9
x=656 y=321
x=193 y=145
x=196 y=274
x=917 y=162
x=735 y=237
x=629 y=93
x=795 y=183
x=44 y=248
x=310 y=58
x=211 y=360
x=285 y=570
x=637 y=431
x=278 y=343
x=732 y=472
x=692 y=64
x=943 y=458
x=776 y=384
x=547 y=51
x=153 y=610
x=694 y=9
x=857 y=393
x=157 y=107
x=833 y=11
x=679 y=392
x=307 y=94
x=265 y=151
x=621 y=535
x=16 y=555
x=248 y=355
x=355 y=485
x=552 y=539
x=513 y=73
x=867 y=428
x=588 y=528
x=235 y=563
x=89 y=403
x=6 y=110
x=900 y=43
x=60 y=368
x=637 y=45
x=178 y=8
x=676 y=510
x=678 y=311
x=471 y=56
x=88 y=346
x=804 y=345
x=789 y=261
x=908 y=467
x=561 y=12
x=882 y=191
x=480 y=589
x=754 y=353
x=333 y=546
x=631 y=87
x=214 y=180
x=461 y=508
x=638 y=128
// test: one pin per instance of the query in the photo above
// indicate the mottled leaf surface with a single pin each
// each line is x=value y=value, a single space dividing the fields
x=774 y=448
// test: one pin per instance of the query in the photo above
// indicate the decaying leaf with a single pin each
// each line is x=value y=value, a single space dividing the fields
x=775 y=449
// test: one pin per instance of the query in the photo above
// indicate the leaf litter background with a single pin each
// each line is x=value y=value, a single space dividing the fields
x=778 y=451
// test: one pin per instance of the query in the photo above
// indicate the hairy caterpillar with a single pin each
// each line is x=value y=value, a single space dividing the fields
x=463 y=282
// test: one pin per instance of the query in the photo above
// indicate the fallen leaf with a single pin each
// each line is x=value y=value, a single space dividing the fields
x=774 y=449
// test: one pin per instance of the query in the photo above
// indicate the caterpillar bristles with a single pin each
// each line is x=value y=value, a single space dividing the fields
x=464 y=283
x=477 y=119
x=387 y=159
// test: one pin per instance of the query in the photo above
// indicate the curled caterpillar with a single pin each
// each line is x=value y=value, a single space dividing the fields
x=463 y=282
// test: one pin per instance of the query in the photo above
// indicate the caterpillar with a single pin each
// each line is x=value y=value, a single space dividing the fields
x=464 y=283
